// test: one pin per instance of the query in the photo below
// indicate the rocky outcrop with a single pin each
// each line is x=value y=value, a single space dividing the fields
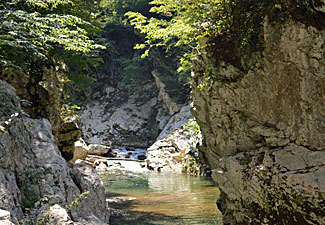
x=118 y=119
x=167 y=155
x=264 y=127
x=164 y=97
x=176 y=122
x=36 y=183
x=172 y=147
x=5 y=217
x=44 y=95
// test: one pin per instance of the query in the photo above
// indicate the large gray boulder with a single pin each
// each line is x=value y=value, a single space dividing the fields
x=34 y=177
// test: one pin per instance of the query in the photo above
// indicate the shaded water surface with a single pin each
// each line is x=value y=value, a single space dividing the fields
x=153 y=198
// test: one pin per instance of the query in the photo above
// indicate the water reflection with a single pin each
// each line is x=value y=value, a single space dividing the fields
x=153 y=198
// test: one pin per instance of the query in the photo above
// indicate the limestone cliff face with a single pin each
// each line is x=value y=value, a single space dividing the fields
x=37 y=185
x=111 y=116
x=264 y=130
x=45 y=95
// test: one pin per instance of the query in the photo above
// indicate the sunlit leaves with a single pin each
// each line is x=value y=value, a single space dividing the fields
x=185 y=20
x=178 y=22
x=49 y=3
x=32 y=28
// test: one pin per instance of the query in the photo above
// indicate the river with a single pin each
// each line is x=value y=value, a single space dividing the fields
x=150 y=198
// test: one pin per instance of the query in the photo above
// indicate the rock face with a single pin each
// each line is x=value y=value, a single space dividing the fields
x=264 y=131
x=36 y=183
x=172 y=146
x=45 y=95
x=164 y=97
x=176 y=122
x=5 y=217
x=118 y=119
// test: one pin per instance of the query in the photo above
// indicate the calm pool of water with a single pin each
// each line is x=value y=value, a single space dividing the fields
x=153 y=198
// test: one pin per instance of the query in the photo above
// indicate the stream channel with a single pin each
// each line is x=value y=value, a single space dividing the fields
x=140 y=197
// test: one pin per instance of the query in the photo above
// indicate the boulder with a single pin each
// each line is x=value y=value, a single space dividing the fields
x=170 y=150
x=81 y=150
x=34 y=176
x=5 y=218
x=96 y=149
x=58 y=215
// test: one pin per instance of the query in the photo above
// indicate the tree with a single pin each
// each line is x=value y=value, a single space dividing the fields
x=233 y=26
x=181 y=22
x=34 y=30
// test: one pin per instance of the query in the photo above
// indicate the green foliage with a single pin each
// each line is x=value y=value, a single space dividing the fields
x=77 y=200
x=32 y=30
x=192 y=131
x=69 y=111
x=181 y=22
x=121 y=66
x=192 y=163
x=234 y=27
x=191 y=128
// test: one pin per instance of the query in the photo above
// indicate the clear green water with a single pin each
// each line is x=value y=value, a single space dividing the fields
x=154 y=198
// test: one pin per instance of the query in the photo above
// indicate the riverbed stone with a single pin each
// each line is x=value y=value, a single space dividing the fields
x=81 y=150
x=96 y=149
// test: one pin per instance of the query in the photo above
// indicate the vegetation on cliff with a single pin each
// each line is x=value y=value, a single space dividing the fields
x=121 y=66
x=233 y=27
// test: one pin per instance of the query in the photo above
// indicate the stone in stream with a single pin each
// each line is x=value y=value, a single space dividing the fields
x=141 y=157
x=96 y=149
x=81 y=150
x=112 y=154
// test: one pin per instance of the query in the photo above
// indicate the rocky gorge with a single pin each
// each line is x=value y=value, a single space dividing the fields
x=260 y=131
x=263 y=127
x=42 y=187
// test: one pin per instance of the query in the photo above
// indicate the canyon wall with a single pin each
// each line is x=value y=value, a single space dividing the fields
x=264 y=127
x=42 y=97
x=37 y=185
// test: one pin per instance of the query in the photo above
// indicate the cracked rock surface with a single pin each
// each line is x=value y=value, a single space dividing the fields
x=36 y=183
x=264 y=131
